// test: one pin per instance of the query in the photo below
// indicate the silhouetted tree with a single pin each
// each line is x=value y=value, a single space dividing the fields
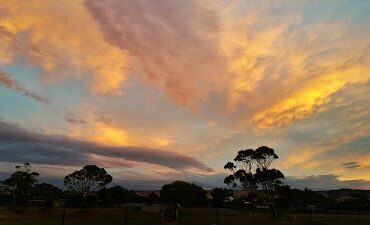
x=89 y=178
x=219 y=195
x=153 y=198
x=243 y=175
x=21 y=182
x=113 y=195
x=270 y=180
x=252 y=167
x=242 y=172
x=183 y=192
x=47 y=191
x=264 y=156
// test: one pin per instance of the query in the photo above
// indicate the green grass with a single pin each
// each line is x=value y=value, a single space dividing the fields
x=189 y=216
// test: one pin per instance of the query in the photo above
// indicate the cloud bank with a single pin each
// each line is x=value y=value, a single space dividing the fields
x=19 y=145
x=326 y=182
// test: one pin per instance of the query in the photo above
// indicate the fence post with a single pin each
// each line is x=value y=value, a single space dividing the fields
x=217 y=215
x=254 y=216
x=336 y=213
x=162 y=211
x=358 y=218
x=125 y=221
x=311 y=215
x=64 y=211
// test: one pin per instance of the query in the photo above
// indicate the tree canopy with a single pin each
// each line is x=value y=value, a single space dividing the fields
x=219 y=195
x=252 y=168
x=89 y=178
x=115 y=194
x=22 y=182
x=183 y=192
x=45 y=190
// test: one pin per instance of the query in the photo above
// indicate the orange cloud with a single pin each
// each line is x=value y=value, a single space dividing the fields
x=63 y=39
x=105 y=131
x=109 y=135
x=111 y=162
x=309 y=99
x=173 y=44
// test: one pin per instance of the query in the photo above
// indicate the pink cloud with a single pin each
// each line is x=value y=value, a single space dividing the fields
x=174 y=43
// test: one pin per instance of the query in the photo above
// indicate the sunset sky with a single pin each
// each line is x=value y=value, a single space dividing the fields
x=161 y=90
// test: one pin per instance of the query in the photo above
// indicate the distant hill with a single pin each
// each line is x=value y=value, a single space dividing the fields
x=342 y=193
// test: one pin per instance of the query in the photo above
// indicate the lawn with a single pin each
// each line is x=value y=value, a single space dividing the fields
x=189 y=216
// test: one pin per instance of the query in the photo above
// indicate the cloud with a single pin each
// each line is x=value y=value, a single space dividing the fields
x=286 y=63
x=325 y=182
x=275 y=61
x=19 y=145
x=296 y=75
x=173 y=43
x=73 y=119
x=279 y=66
x=310 y=98
x=8 y=82
x=45 y=34
x=338 y=134
x=351 y=165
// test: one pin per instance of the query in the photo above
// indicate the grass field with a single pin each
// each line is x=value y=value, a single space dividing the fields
x=189 y=216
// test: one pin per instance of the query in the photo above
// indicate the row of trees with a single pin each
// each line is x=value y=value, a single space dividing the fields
x=251 y=171
x=88 y=186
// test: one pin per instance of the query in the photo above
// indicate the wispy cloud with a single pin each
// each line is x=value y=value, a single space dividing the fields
x=7 y=81
x=351 y=165
x=73 y=119
x=174 y=43
x=46 y=36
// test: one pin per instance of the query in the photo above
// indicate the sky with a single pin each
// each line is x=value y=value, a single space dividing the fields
x=156 y=91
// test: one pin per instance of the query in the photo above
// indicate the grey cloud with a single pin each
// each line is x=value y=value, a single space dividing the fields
x=19 y=145
x=325 y=182
x=41 y=153
x=7 y=81
x=351 y=165
x=102 y=118
x=71 y=118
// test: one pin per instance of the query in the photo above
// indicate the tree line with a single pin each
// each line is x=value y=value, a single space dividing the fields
x=250 y=172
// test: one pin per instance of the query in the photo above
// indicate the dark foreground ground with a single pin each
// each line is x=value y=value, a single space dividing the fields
x=189 y=216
